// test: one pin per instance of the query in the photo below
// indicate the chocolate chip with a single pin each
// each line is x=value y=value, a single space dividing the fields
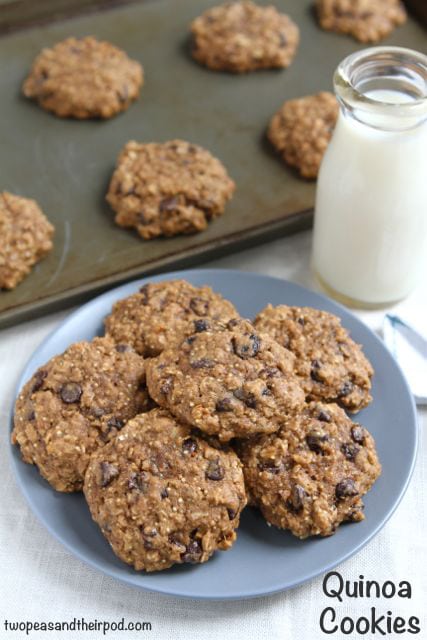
x=266 y=391
x=271 y=466
x=174 y=539
x=201 y=325
x=108 y=473
x=31 y=416
x=246 y=346
x=214 y=470
x=138 y=482
x=232 y=513
x=315 y=371
x=98 y=412
x=189 y=446
x=190 y=340
x=193 y=552
x=144 y=290
x=39 y=377
x=346 y=489
x=122 y=348
x=70 y=392
x=350 y=450
x=247 y=397
x=301 y=321
x=226 y=404
x=199 y=306
x=270 y=372
x=203 y=363
x=166 y=386
x=315 y=440
x=356 y=514
x=147 y=535
x=297 y=498
x=358 y=434
x=164 y=493
x=115 y=423
x=345 y=390
x=169 y=204
x=323 y=416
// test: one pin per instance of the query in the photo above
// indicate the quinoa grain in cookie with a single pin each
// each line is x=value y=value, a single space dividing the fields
x=25 y=238
x=84 y=78
x=243 y=36
x=166 y=189
x=365 y=20
x=164 y=496
x=311 y=475
x=234 y=382
x=301 y=131
x=161 y=314
x=331 y=367
x=74 y=404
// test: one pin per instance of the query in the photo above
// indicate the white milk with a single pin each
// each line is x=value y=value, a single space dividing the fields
x=370 y=231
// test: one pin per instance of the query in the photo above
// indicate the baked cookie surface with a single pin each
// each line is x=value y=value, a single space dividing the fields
x=233 y=382
x=301 y=130
x=166 y=189
x=310 y=476
x=25 y=238
x=164 y=496
x=243 y=36
x=164 y=313
x=74 y=404
x=83 y=78
x=330 y=365
x=365 y=20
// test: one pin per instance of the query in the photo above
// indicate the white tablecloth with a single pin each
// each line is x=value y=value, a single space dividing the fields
x=41 y=581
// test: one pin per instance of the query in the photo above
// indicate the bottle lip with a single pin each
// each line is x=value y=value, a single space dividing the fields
x=412 y=62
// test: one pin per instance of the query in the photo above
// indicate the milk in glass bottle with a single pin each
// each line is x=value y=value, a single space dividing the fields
x=370 y=226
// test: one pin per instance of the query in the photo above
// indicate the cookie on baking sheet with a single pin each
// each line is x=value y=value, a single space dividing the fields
x=301 y=130
x=164 y=313
x=232 y=382
x=164 y=496
x=166 y=189
x=329 y=364
x=84 y=78
x=25 y=238
x=74 y=404
x=243 y=36
x=365 y=20
x=310 y=476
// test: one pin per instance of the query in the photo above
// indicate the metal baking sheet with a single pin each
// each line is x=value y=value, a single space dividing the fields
x=66 y=164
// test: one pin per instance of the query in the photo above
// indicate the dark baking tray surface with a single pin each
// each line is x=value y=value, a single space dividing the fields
x=66 y=165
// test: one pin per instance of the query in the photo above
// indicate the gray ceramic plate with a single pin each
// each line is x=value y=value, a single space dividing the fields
x=264 y=560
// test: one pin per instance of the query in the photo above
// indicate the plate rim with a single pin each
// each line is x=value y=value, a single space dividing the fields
x=13 y=459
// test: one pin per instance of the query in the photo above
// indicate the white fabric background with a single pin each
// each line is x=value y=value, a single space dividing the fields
x=40 y=580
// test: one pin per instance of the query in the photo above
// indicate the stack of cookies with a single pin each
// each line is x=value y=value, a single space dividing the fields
x=184 y=412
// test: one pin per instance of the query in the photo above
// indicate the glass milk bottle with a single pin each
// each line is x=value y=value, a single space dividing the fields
x=370 y=224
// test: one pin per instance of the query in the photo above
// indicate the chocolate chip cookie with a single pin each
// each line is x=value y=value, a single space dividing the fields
x=163 y=495
x=330 y=365
x=84 y=78
x=301 y=131
x=365 y=20
x=25 y=238
x=310 y=476
x=164 y=313
x=233 y=382
x=243 y=36
x=76 y=403
x=166 y=189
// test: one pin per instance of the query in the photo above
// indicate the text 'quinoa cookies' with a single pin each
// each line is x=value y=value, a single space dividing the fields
x=74 y=404
x=164 y=496
x=243 y=36
x=166 y=189
x=84 y=78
